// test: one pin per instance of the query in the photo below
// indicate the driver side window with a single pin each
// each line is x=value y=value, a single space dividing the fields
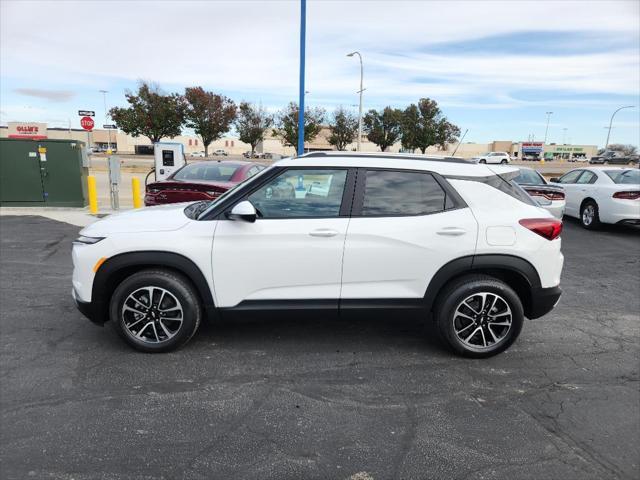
x=301 y=193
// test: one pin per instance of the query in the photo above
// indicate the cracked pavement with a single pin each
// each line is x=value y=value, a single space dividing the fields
x=301 y=397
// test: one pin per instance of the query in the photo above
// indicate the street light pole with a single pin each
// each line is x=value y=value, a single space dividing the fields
x=564 y=135
x=546 y=130
x=303 y=28
x=104 y=97
x=360 y=92
x=606 y=145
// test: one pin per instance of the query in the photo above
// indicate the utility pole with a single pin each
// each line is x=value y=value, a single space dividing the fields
x=546 y=130
x=564 y=135
x=303 y=27
x=104 y=97
x=360 y=92
x=606 y=145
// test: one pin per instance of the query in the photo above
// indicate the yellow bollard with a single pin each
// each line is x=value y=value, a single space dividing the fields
x=93 y=194
x=135 y=188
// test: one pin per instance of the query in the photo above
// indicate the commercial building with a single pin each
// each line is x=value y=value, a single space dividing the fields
x=126 y=144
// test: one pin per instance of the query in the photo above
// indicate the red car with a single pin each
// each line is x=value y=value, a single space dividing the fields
x=199 y=181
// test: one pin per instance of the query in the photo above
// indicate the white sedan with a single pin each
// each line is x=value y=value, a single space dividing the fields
x=598 y=195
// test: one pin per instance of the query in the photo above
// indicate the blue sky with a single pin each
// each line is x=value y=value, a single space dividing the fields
x=494 y=67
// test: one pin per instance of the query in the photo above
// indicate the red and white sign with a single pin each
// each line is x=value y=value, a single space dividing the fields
x=29 y=131
x=87 y=123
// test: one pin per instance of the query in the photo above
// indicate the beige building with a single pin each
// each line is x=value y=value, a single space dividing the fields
x=126 y=144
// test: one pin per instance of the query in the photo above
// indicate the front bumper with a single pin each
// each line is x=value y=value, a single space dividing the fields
x=543 y=300
x=91 y=310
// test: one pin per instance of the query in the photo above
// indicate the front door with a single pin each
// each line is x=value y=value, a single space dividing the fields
x=572 y=191
x=293 y=251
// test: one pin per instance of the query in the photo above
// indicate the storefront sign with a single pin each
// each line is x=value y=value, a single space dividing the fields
x=532 y=147
x=29 y=131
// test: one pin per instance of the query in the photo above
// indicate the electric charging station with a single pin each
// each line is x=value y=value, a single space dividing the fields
x=168 y=157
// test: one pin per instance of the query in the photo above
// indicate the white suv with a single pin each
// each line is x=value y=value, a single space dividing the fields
x=493 y=157
x=457 y=241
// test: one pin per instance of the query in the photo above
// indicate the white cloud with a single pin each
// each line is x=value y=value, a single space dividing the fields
x=252 y=47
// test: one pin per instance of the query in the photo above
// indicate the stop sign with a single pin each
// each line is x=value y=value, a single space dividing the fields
x=87 y=123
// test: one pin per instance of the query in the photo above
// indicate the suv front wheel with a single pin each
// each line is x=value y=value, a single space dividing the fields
x=479 y=316
x=155 y=310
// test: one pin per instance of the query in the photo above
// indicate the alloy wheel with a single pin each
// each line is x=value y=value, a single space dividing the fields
x=482 y=320
x=588 y=215
x=152 y=314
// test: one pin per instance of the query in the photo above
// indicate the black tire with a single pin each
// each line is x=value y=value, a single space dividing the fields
x=585 y=213
x=178 y=287
x=483 y=161
x=452 y=297
x=503 y=162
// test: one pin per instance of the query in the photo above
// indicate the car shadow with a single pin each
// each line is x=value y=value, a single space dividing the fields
x=627 y=230
x=320 y=331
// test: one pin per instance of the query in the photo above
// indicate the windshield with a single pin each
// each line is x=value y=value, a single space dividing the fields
x=624 y=177
x=207 y=171
x=528 y=177
x=203 y=211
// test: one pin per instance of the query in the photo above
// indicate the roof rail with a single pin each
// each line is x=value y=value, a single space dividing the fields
x=408 y=156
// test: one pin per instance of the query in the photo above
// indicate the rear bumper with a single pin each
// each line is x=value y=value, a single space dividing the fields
x=93 y=311
x=543 y=300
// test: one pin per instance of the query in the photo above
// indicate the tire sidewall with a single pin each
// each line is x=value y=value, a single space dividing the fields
x=445 y=316
x=596 y=217
x=178 y=287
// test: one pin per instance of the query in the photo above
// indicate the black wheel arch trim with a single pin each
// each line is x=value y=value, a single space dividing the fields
x=103 y=283
x=472 y=263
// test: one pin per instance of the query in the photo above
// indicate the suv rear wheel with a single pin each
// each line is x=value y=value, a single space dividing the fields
x=479 y=316
x=155 y=310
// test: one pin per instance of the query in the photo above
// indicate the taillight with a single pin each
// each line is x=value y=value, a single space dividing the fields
x=633 y=195
x=548 y=194
x=549 y=228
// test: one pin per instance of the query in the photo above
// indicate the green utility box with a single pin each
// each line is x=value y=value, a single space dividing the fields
x=45 y=173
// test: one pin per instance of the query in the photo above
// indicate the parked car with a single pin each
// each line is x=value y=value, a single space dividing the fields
x=199 y=181
x=454 y=241
x=493 y=157
x=613 y=157
x=198 y=154
x=598 y=195
x=247 y=154
x=220 y=153
x=549 y=197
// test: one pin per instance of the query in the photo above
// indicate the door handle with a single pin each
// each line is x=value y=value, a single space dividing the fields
x=323 y=232
x=452 y=231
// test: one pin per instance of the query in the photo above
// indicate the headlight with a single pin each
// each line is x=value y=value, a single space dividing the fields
x=87 y=240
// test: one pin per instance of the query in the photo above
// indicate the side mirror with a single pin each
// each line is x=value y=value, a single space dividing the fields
x=554 y=180
x=243 y=211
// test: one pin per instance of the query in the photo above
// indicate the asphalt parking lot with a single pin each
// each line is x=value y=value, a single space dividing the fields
x=319 y=398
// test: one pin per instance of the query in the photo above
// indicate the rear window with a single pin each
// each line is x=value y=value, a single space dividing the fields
x=215 y=172
x=393 y=193
x=624 y=177
x=528 y=177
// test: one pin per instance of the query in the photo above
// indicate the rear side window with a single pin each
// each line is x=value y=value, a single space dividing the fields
x=393 y=193
x=510 y=187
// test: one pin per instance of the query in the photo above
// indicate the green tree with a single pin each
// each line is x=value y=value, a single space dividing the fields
x=151 y=113
x=423 y=125
x=344 y=128
x=251 y=123
x=447 y=133
x=383 y=128
x=286 y=124
x=209 y=114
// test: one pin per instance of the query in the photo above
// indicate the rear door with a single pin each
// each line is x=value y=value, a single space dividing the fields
x=404 y=227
